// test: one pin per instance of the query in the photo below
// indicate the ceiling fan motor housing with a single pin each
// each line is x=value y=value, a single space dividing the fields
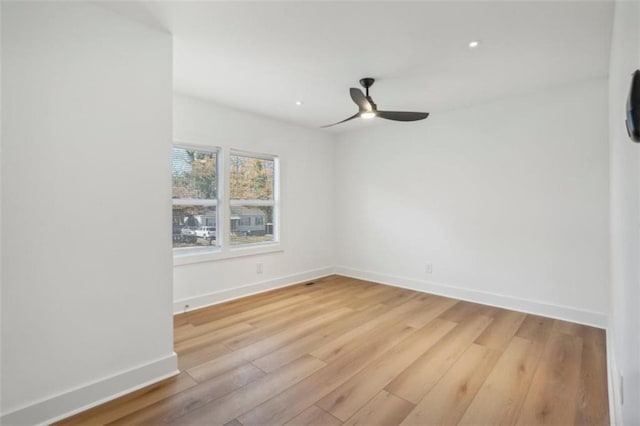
x=367 y=82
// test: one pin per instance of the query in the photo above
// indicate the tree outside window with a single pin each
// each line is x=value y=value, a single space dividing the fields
x=253 y=203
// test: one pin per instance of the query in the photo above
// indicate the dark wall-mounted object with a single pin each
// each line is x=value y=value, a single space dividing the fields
x=633 y=108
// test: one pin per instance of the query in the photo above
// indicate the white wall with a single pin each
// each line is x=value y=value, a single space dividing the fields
x=86 y=255
x=507 y=200
x=307 y=204
x=625 y=213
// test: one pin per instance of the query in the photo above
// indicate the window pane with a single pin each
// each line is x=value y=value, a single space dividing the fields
x=251 y=224
x=194 y=174
x=194 y=226
x=251 y=178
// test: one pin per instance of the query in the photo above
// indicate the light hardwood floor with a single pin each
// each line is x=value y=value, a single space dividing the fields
x=345 y=351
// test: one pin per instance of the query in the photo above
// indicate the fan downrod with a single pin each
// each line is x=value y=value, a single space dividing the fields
x=366 y=83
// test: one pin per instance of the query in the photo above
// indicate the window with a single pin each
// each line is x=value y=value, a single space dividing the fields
x=211 y=221
x=195 y=197
x=253 y=198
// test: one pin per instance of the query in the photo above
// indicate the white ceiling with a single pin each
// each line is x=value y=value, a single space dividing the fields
x=263 y=56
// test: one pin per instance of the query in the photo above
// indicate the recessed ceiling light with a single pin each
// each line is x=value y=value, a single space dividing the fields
x=299 y=103
x=473 y=44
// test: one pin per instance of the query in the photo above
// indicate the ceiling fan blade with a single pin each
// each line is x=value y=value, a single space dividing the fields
x=346 y=119
x=360 y=99
x=402 y=115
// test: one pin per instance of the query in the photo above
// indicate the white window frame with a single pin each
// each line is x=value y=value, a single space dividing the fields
x=274 y=203
x=223 y=248
x=187 y=251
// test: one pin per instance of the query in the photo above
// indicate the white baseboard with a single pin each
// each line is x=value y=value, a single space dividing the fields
x=596 y=319
x=84 y=397
x=225 y=295
x=613 y=381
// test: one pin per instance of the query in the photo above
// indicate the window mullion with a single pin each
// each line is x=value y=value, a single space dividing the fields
x=224 y=211
x=252 y=202
x=194 y=202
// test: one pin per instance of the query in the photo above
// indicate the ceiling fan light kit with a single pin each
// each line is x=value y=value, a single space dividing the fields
x=368 y=109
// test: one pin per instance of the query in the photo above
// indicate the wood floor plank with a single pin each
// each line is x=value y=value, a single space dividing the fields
x=180 y=320
x=551 y=399
x=502 y=394
x=460 y=311
x=400 y=297
x=535 y=327
x=383 y=295
x=537 y=330
x=376 y=290
x=216 y=366
x=277 y=317
x=135 y=401
x=293 y=401
x=383 y=410
x=293 y=333
x=433 y=307
x=276 y=322
x=314 y=416
x=349 y=340
x=189 y=400
x=275 y=325
x=232 y=405
x=248 y=303
x=447 y=401
x=199 y=356
x=499 y=333
x=417 y=379
x=592 y=407
x=323 y=300
x=312 y=341
x=425 y=297
x=230 y=308
x=567 y=327
x=182 y=331
x=210 y=338
x=345 y=400
x=244 y=315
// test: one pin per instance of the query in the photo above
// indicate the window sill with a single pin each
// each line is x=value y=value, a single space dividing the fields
x=188 y=257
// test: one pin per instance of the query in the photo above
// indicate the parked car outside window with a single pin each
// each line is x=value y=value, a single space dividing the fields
x=206 y=232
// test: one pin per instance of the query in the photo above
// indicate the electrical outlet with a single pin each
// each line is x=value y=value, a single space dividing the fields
x=259 y=267
x=428 y=268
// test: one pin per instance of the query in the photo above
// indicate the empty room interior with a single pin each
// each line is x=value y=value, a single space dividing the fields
x=381 y=213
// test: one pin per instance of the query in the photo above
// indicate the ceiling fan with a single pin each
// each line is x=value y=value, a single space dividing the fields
x=368 y=109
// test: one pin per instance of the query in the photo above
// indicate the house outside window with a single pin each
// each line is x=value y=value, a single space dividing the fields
x=253 y=200
x=195 y=197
